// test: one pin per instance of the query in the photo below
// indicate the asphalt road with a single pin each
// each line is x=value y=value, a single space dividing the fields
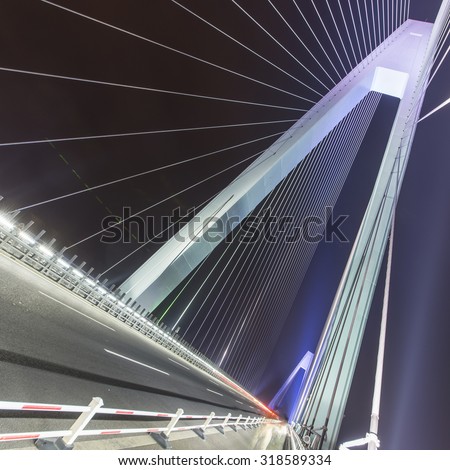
x=57 y=348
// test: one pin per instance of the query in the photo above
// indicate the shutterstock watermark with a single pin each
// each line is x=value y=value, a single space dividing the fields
x=189 y=226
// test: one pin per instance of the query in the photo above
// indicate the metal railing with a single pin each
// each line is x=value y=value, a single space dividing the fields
x=294 y=439
x=64 y=439
x=310 y=438
x=365 y=441
x=17 y=241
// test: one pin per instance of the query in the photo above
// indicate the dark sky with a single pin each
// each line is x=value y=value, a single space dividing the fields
x=41 y=38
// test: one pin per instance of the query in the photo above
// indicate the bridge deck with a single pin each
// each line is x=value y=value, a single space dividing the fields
x=57 y=348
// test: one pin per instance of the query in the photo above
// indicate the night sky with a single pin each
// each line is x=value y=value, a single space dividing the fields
x=41 y=38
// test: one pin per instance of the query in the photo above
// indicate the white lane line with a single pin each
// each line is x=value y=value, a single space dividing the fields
x=213 y=381
x=212 y=391
x=237 y=401
x=136 y=362
x=175 y=362
x=75 y=310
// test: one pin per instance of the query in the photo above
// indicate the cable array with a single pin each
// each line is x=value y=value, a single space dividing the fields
x=244 y=301
x=235 y=303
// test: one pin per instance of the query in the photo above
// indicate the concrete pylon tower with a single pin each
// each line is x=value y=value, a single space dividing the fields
x=398 y=67
x=403 y=68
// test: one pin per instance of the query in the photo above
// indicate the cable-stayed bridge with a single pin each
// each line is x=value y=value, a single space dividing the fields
x=226 y=281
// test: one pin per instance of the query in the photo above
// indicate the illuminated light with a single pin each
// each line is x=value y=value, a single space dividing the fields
x=390 y=82
x=111 y=297
x=90 y=282
x=128 y=309
x=6 y=223
x=63 y=263
x=136 y=314
x=101 y=290
x=26 y=237
x=46 y=251
x=121 y=304
x=77 y=273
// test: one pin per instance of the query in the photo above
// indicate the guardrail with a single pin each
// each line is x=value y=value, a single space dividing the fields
x=64 y=439
x=295 y=442
x=19 y=242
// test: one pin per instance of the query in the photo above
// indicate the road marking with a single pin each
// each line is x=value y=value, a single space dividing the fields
x=175 y=362
x=212 y=391
x=136 y=362
x=237 y=401
x=213 y=381
x=75 y=310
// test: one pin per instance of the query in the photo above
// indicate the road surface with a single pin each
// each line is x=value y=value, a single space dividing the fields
x=57 y=348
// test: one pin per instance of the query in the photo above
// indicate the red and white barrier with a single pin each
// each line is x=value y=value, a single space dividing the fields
x=96 y=407
x=21 y=436
x=21 y=406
